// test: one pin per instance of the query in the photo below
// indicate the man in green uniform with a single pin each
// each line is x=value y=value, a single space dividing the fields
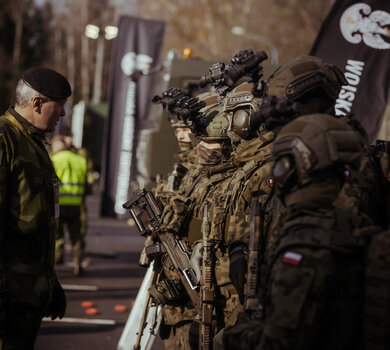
x=29 y=209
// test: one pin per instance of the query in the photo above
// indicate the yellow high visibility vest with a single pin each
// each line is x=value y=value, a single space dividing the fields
x=71 y=169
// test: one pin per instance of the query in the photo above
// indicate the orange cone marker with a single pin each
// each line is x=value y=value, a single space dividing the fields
x=120 y=308
x=92 y=311
x=87 y=304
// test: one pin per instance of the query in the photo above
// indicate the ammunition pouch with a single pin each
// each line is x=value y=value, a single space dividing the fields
x=168 y=291
x=174 y=179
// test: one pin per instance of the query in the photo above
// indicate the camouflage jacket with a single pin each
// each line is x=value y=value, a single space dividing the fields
x=232 y=199
x=185 y=216
x=312 y=276
x=313 y=297
x=27 y=207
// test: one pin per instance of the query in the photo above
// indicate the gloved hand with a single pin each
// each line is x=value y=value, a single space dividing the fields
x=245 y=334
x=238 y=268
x=196 y=260
x=3 y=310
x=194 y=335
x=175 y=213
x=58 y=304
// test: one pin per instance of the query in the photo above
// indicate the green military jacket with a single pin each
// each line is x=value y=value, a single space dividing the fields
x=28 y=211
x=251 y=181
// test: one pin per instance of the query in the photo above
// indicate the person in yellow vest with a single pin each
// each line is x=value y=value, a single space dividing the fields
x=90 y=180
x=72 y=171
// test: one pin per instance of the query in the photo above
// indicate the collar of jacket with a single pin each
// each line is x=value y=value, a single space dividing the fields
x=31 y=129
x=247 y=150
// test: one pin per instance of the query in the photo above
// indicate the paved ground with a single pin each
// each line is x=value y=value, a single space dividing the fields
x=114 y=249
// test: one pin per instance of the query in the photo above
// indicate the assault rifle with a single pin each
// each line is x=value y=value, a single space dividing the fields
x=206 y=286
x=146 y=211
x=275 y=112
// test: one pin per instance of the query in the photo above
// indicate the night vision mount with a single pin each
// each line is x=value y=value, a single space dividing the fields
x=224 y=77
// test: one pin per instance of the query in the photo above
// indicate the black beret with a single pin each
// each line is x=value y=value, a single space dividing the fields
x=47 y=82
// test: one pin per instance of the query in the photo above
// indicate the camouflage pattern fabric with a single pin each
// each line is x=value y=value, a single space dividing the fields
x=187 y=158
x=316 y=273
x=178 y=338
x=22 y=326
x=27 y=223
x=313 y=272
x=251 y=182
x=184 y=215
x=376 y=318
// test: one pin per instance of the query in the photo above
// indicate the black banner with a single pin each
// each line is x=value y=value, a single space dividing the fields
x=136 y=56
x=356 y=37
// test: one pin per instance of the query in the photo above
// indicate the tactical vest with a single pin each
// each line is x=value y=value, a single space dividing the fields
x=331 y=235
x=226 y=202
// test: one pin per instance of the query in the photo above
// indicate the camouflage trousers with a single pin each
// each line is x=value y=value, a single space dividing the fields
x=21 y=329
x=178 y=319
x=179 y=337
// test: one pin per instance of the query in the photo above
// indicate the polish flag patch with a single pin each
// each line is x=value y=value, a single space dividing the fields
x=292 y=258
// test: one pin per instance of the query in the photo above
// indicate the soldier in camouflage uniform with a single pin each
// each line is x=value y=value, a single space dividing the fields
x=184 y=159
x=183 y=212
x=312 y=273
x=230 y=197
x=29 y=209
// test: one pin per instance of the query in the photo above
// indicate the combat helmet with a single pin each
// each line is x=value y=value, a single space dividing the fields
x=240 y=104
x=310 y=145
x=309 y=80
x=212 y=122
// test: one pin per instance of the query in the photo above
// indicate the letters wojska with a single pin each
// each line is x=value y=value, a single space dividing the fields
x=353 y=72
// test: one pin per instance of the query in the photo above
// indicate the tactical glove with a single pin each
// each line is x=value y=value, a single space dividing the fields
x=245 y=334
x=58 y=305
x=238 y=268
x=3 y=310
x=175 y=213
x=194 y=335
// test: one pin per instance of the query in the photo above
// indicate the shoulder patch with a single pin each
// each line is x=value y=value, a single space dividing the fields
x=292 y=258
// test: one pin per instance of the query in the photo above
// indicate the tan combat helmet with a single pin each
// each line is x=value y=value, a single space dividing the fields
x=309 y=80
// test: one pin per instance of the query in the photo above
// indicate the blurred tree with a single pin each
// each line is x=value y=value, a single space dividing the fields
x=206 y=25
x=51 y=32
x=24 y=30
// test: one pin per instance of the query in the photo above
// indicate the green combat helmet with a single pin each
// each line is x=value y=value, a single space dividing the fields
x=240 y=104
x=311 y=148
x=309 y=80
x=212 y=122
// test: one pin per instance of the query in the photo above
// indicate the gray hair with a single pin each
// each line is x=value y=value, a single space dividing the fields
x=25 y=93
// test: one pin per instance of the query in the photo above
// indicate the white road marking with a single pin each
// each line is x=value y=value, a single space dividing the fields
x=79 y=287
x=80 y=320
